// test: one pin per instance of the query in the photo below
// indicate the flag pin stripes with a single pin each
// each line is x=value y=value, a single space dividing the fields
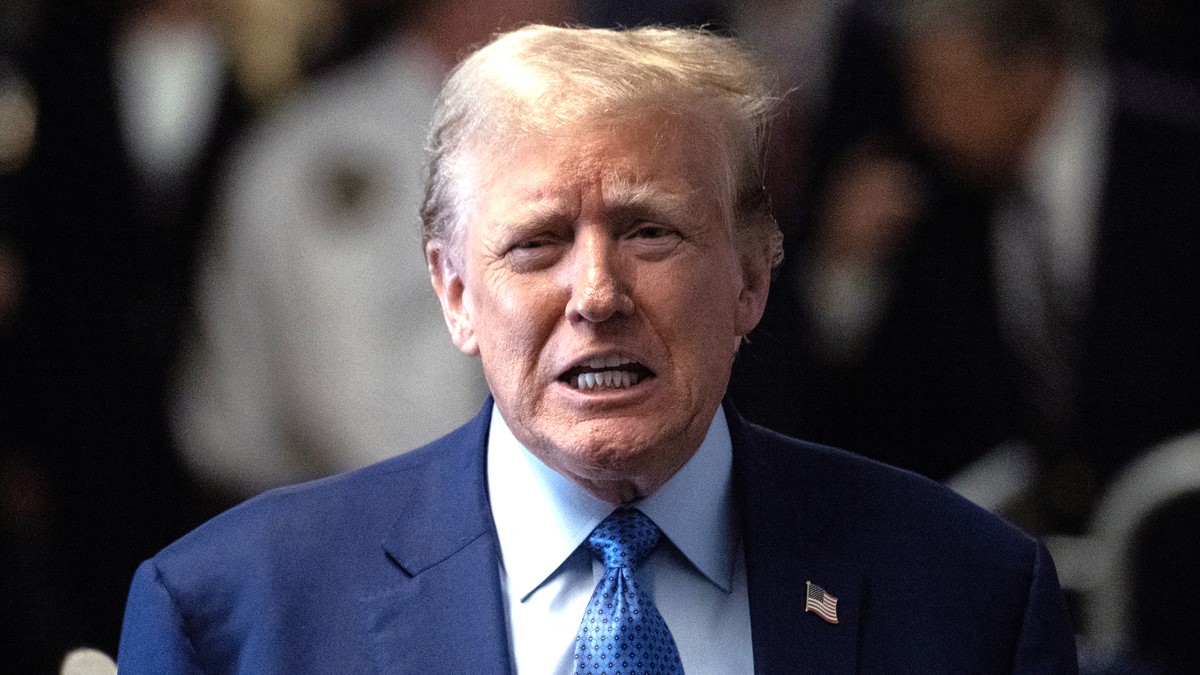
x=820 y=603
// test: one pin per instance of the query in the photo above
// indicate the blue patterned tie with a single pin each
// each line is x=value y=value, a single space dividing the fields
x=622 y=632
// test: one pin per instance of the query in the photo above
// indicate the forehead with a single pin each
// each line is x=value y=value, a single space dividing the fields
x=655 y=158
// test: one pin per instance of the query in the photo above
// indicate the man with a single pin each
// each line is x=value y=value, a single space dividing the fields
x=596 y=233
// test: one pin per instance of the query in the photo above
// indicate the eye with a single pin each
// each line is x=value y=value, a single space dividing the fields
x=652 y=231
x=530 y=244
x=653 y=240
x=534 y=253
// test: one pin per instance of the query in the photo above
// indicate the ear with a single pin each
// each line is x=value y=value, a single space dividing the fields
x=756 y=284
x=448 y=283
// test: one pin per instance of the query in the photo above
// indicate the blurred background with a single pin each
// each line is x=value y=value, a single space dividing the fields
x=211 y=279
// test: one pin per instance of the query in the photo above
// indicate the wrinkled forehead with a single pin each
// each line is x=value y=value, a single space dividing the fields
x=648 y=161
x=657 y=157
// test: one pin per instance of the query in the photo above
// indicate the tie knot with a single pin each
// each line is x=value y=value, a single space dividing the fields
x=624 y=539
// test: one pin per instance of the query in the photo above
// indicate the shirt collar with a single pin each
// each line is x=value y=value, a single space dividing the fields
x=542 y=518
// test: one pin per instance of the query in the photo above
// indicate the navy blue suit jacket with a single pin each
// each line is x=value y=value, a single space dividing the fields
x=394 y=569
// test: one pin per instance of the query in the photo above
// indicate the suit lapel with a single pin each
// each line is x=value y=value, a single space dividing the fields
x=443 y=611
x=785 y=518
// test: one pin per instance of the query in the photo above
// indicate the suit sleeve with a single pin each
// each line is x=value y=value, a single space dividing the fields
x=1046 y=644
x=154 y=640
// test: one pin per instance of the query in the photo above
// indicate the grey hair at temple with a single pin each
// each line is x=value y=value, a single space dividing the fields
x=542 y=79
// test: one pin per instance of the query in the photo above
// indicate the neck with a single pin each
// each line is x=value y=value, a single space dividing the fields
x=618 y=492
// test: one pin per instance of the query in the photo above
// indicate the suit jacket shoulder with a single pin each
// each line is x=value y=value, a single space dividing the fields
x=376 y=570
x=926 y=582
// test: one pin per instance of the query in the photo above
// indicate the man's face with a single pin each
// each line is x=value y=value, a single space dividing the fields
x=976 y=110
x=601 y=287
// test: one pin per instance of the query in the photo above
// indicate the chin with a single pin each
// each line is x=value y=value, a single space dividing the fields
x=609 y=453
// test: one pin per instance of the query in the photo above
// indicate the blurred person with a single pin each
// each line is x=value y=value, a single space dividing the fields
x=796 y=39
x=318 y=347
x=832 y=359
x=188 y=76
x=597 y=232
x=109 y=114
x=1025 y=287
x=169 y=75
x=85 y=472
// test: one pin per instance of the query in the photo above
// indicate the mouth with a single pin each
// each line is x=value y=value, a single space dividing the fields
x=606 y=372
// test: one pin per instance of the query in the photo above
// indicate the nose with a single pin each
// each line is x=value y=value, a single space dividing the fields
x=599 y=291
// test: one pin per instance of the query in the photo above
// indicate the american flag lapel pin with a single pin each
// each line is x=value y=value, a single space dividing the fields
x=820 y=603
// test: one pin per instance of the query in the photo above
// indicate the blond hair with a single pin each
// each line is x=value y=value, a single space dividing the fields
x=539 y=79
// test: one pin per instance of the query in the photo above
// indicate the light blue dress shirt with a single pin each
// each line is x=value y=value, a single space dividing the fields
x=697 y=575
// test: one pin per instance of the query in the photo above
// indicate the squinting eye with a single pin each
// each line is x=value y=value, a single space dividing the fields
x=532 y=243
x=529 y=244
x=652 y=232
x=532 y=254
x=653 y=242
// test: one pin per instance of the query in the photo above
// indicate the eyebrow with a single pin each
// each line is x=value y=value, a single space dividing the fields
x=538 y=209
x=641 y=198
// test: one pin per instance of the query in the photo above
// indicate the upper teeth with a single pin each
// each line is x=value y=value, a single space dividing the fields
x=609 y=378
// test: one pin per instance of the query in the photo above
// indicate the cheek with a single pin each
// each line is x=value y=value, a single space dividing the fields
x=700 y=311
x=515 y=318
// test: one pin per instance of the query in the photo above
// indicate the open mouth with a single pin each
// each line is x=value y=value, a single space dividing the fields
x=608 y=372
